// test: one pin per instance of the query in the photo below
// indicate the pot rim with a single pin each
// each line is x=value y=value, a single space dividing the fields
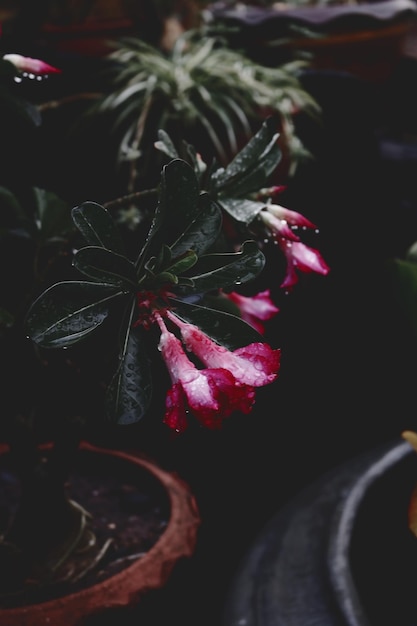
x=340 y=540
x=122 y=589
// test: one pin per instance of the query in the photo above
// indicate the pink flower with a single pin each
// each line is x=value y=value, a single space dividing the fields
x=267 y=192
x=291 y=217
x=300 y=257
x=276 y=225
x=256 y=364
x=30 y=66
x=210 y=394
x=254 y=309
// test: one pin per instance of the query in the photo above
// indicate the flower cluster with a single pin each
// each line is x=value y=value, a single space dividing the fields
x=282 y=224
x=182 y=283
x=225 y=385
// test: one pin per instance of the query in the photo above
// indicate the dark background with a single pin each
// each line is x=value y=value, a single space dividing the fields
x=348 y=372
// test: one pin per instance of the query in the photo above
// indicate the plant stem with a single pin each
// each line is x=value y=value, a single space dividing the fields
x=137 y=195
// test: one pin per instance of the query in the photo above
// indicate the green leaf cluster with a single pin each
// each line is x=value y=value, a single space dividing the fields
x=235 y=186
x=175 y=262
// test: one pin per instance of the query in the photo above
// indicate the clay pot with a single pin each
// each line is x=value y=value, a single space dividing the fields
x=150 y=571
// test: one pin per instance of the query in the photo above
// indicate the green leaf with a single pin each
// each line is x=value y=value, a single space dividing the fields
x=163 y=259
x=68 y=311
x=226 y=329
x=165 y=144
x=403 y=276
x=258 y=176
x=194 y=159
x=105 y=266
x=130 y=391
x=255 y=178
x=241 y=209
x=178 y=203
x=248 y=158
x=202 y=231
x=177 y=206
x=215 y=271
x=186 y=262
x=97 y=226
x=54 y=215
x=165 y=278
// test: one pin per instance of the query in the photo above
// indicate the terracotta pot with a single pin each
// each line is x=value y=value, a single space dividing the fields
x=365 y=38
x=150 y=571
x=339 y=554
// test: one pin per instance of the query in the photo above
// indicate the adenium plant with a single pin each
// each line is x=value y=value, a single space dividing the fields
x=173 y=287
x=154 y=286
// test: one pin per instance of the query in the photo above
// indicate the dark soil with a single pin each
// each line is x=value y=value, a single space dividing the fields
x=129 y=511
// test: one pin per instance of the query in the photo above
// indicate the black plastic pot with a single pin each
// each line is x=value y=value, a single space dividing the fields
x=340 y=554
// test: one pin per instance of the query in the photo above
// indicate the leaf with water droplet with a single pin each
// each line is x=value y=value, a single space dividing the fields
x=215 y=271
x=241 y=209
x=106 y=266
x=177 y=207
x=251 y=167
x=97 y=226
x=202 y=231
x=69 y=311
x=130 y=391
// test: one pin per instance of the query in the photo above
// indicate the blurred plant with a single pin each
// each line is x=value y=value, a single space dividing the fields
x=201 y=91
